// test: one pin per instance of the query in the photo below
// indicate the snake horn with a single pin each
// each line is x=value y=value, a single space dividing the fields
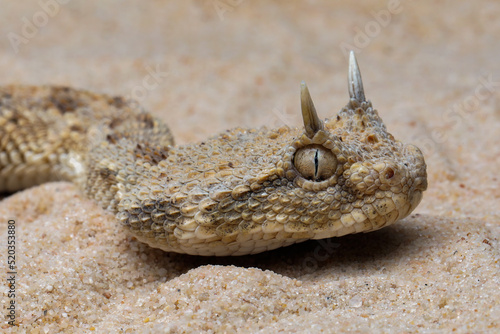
x=312 y=123
x=355 y=83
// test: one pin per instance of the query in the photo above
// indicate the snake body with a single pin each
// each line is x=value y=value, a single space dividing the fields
x=243 y=191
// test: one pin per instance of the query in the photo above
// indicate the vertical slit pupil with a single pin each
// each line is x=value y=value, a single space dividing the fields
x=316 y=164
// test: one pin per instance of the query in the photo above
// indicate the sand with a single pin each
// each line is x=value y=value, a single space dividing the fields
x=430 y=68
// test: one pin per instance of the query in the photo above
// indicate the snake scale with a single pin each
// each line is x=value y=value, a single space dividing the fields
x=243 y=191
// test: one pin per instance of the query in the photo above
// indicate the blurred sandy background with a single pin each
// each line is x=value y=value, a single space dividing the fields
x=430 y=68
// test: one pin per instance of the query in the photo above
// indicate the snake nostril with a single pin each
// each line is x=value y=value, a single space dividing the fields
x=389 y=173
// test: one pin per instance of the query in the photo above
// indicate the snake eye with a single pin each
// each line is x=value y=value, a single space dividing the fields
x=315 y=162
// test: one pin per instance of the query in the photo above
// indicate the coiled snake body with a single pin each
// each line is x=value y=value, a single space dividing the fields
x=241 y=192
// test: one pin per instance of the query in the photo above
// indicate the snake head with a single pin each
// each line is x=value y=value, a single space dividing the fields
x=364 y=178
x=246 y=191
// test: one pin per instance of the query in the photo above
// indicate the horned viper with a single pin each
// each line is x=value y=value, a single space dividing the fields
x=242 y=191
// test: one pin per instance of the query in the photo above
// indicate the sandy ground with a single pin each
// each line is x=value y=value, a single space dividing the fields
x=430 y=68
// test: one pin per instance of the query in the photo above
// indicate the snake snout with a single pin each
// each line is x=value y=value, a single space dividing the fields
x=417 y=180
x=418 y=169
